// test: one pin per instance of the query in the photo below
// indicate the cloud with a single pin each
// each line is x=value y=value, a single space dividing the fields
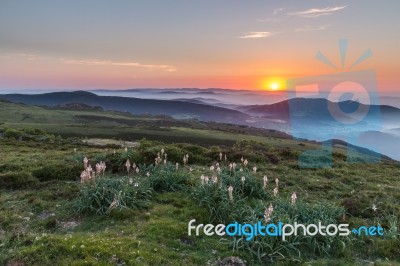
x=278 y=10
x=95 y=62
x=257 y=34
x=311 y=28
x=88 y=62
x=317 y=12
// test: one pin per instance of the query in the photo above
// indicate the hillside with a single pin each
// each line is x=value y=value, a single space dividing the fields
x=177 y=109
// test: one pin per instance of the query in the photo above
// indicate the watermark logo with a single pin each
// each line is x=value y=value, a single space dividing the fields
x=341 y=106
x=282 y=230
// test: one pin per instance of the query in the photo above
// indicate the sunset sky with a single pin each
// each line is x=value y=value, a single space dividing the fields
x=171 y=44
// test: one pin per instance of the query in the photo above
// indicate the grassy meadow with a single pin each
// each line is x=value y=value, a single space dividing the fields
x=140 y=216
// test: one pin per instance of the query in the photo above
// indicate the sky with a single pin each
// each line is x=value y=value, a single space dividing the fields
x=256 y=45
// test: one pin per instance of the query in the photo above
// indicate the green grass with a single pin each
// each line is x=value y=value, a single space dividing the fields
x=34 y=223
x=39 y=224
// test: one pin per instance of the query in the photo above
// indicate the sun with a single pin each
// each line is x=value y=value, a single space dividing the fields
x=273 y=84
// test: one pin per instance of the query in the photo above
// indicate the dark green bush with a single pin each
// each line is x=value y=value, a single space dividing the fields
x=15 y=180
x=58 y=172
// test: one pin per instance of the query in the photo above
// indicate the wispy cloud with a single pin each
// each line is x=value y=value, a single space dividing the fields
x=89 y=62
x=95 y=62
x=278 y=10
x=317 y=12
x=257 y=34
x=311 y=28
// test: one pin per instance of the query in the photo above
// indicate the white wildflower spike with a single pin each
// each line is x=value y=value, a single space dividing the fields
x=206 y=179
x=230 y=191
x=162 y=152
x=148 y=174
x=85 y=176
x=219 y=170
x=265 y=179
x=85 y=162
x=114 y=152
x=241 y=169
x=234 y=166
x=165 y=162
x=255 y=169
x=202 y=177
x=230 y=166
x=128 y=166
x=130 y=181
x=275 y=191
x=245 y=162
x=220 y=156
x=214 y=179
x=241 y=159
x=374 y=208
x=225 y=158
x=267 y=213
x=276 y=181
x=190 y=169
x=165 y=156
x=136 y=184
x=176 y=166
x=126 y=149
x=184 y=160
x=294 y=197
x=74 y=149
x=137 y=170
x=243 y=179
x=212 y=168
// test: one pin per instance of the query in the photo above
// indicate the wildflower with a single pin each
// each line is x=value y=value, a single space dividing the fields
x=137 y=170
x=214 y=179
x=126 y=149
x=85 y=162
x=241 y=169
x=136 y=184
x=374 y=208
x=165 y=162
x=294 y=197
x=230 y=166
x=165 y=155
x=234 y=166
x=190 y=169
x=267 y=213
x=148 y=174
x=254 y=169
x=74 y=149
x=128 y=166
x=114 y=152
x=220 y=156
x=243 y=179
x=219 y=170
x=265 y=182
x=130 y=181
x=241 y=159
x=276 y=181
x=225 y=158
x=245 y=162
x=206 y=179
x=155 y=161
x=230 y=191
x=184 y=160
x=177 y=166
x=212 y=168
x=115 y=203
x=84 y=176
x=202 y=179
x=275 y=191
x=217 y=164
x=162 y=152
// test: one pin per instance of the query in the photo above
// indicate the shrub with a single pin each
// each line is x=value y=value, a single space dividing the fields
x=58 y=172
x=166 y=178
x=15 y=180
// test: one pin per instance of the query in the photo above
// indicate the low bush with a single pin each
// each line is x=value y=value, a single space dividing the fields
x=58 y=172
x=15 y=180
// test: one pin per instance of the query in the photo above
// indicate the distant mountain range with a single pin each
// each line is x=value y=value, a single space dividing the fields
x=176 y=109
x=306 y=118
